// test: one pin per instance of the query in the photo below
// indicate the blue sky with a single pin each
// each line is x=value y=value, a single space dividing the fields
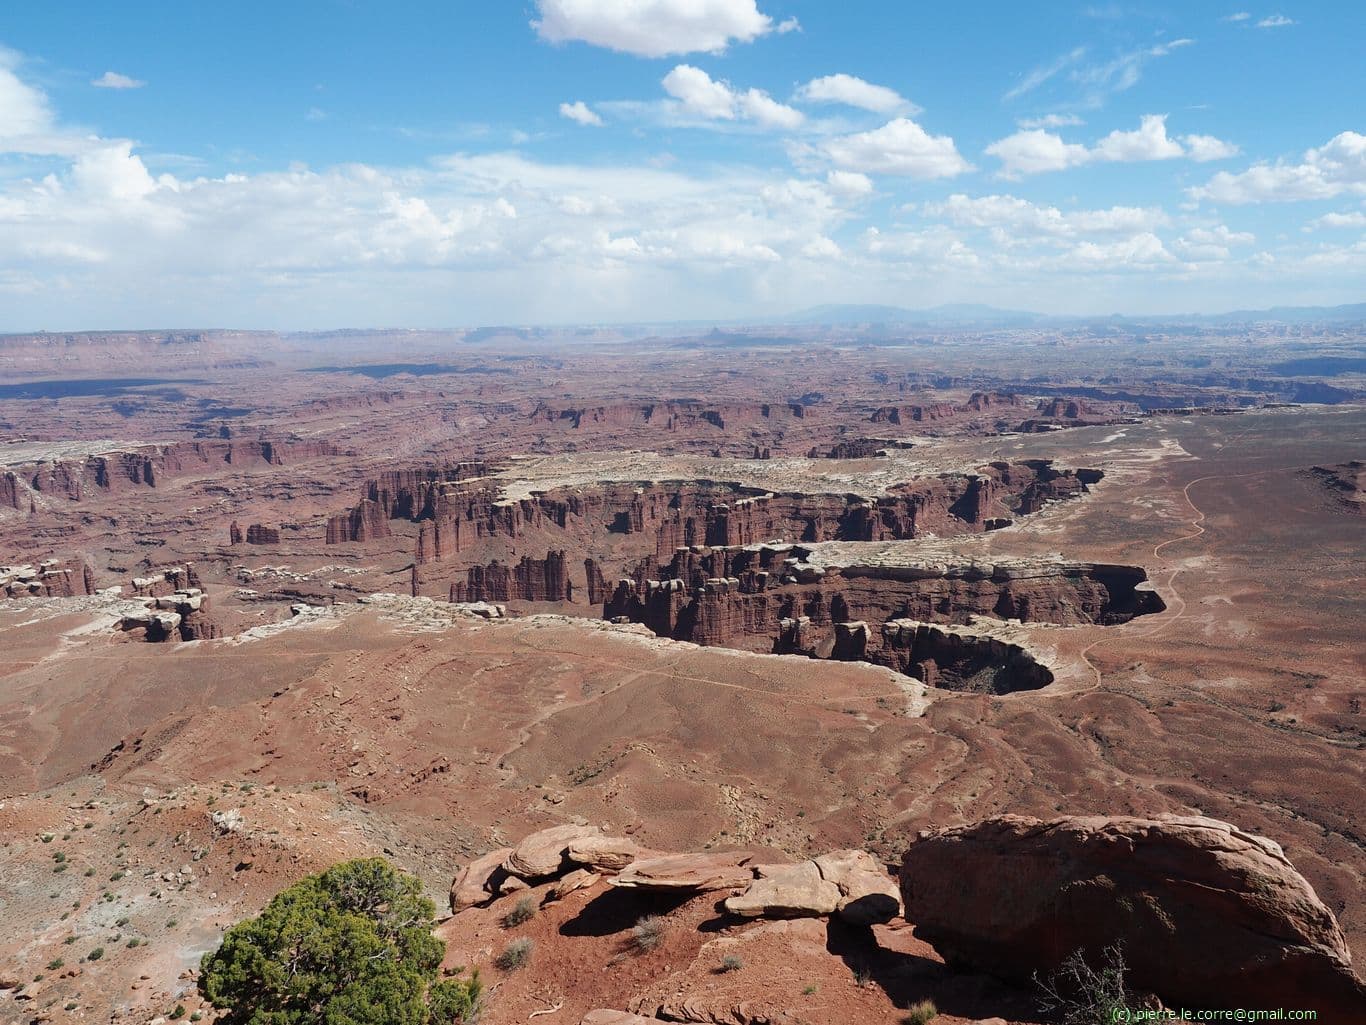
x=319 y=164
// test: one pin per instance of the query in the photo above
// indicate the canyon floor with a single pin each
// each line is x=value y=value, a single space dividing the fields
x=1187 y=582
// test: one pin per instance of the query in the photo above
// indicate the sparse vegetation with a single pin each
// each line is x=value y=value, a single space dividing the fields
x=514 y=956
x=920 y=1013
x=730 y=963
x=523 y=911
x=810 y=989
x=54 y=964
x=1080 y=994
x=353 y=943
x=95 y=954
x=648 y=933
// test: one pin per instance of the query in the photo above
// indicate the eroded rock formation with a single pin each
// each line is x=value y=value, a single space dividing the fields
x=1207 y=915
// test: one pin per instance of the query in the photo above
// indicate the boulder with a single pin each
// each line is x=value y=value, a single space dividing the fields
x=474 y=884
x=1207 y=915
x=604 y=853
x=605 y=1017
x=868 y=895
x=543 y=853
x=719 y=871
x=786 y=891
x=579 y=879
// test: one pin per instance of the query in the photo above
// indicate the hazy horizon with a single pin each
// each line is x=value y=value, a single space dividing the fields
x=585 y=162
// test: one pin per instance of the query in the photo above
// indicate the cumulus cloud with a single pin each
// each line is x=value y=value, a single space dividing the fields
x=114 y=80
x=1036 y=151
x=580 y=112
x=1349 y=219
x=1336 y=168
x=899 y=147
x=1204 y=148
x=849 y=183
x=1276 y=21
x=654 y=28
x=703 y=96
x=1026 y=219
x=855 y=92
x=24 y=110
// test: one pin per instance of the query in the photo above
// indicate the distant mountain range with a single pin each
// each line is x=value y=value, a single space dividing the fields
x=978 y=315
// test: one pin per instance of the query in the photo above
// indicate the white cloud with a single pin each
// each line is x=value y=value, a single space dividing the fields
x=1041 y=74
x=855 y=92
x=1148 y=142
x=1025 y=219
x=654 y=28
x=822 y=248
x=788 y=25
x=1050 y=121
x=1276 y=21
x=701 y=95
x=1350 y=219
x=1333 y=169
x=114 y=80
x=850 y=184
x=1204 y=148
x=24 y=110
x=1139 y=250
x=580 y=112
x=899 y=147
x=1236 y=16
x=1036 y=151
x=113 y=171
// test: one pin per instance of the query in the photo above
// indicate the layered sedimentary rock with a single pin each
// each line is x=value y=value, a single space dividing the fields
x=764 y=585
x=668 y=416
x=530 y=580
x=77 y=479
x=979 y=402
x=1206 y=915
x=51 y=578
x=181 y=615
x=259 y=534
x=457 y=507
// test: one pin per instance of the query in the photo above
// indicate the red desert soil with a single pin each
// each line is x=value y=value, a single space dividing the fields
x=418 y=729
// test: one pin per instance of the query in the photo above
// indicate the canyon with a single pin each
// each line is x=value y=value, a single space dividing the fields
x=280 y=600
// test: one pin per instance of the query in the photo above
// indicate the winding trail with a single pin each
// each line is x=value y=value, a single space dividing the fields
x=1198 y=525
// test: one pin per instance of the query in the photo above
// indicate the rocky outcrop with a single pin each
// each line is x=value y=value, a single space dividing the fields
x=1207 y=915
x=147 y=466
x=850 y=883
x=978 y=402
x=259 y=534
x=1345 y=482
x=772 y=598
x=530 y=580
x=182 y=615
x=958 y=658
x=51 y=578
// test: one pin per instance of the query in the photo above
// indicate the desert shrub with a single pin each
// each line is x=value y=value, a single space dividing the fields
x=455 y=1001
x=648 y=933
x=1080 y=994
x=352 y=944
x=920 y=1013
x=515 y=955
x=523 y=911
x=95 y=954
x=54 y=964
x=730 y=963
x=179 y=1012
